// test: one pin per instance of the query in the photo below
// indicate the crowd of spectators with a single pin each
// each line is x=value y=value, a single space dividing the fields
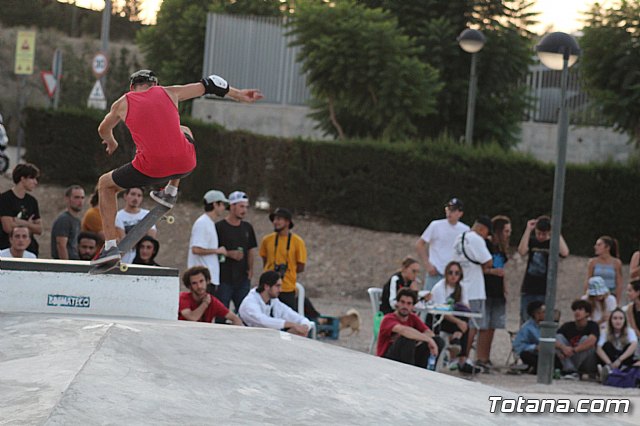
x=465 y=272
x=464 y=269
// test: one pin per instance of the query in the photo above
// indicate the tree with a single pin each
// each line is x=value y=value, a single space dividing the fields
x=610 y=62
x=502 y=64
x=364 y=74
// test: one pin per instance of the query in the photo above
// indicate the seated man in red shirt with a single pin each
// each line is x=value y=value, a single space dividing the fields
x=198 y=305
x=404 y=337
x=165 y=150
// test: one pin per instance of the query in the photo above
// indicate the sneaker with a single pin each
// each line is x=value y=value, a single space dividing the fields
x=107 y=256
x=469 y=368
x=455 y=347
x=166 y=200
x=572 y=375
x=484 y=365
x=453 y=365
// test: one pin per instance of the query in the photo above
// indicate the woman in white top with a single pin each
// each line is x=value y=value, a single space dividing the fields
x=449 y=291
x=602 y=303
x=616 y=347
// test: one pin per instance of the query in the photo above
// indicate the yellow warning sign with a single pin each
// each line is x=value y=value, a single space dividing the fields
x=25 y=52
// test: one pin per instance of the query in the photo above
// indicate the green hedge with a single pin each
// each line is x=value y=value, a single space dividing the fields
x=399 y=187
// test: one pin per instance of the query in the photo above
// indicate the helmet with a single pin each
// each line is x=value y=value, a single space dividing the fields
x=143 y=76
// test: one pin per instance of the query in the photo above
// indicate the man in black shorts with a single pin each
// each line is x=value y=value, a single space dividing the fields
x=164 y=149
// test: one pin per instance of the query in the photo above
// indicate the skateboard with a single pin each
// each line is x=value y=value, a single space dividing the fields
x=156 y=214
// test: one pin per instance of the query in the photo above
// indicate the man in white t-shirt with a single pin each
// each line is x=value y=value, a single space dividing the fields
x=470 y=250
x=19 y=240
x=129 y=216
x=435 y=246
x=204 y=248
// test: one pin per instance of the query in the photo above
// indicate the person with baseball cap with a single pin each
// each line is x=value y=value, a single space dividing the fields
x=284 y=252
x=204 y=248
x=262 y=308
x=435 y=245
x=165 y=150
x=239 y=238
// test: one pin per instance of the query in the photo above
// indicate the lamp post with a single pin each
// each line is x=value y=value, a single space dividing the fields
x=471 y=41
x=557 y=51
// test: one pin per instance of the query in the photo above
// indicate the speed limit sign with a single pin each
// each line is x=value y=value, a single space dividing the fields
x=99 y=64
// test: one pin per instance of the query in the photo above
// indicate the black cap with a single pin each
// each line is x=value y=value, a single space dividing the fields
x=455 y=204
x=284 y=213
x=486 y=221
x=143 y=76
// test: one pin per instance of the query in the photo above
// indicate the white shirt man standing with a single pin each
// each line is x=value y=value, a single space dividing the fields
x=261 y=308
x=435 y=246
x=470 y=250
x=204 y=247
x=129 y=216
x=19 y=239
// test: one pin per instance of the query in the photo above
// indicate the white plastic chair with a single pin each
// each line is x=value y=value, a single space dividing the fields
x=375 y=294
x=301 y=295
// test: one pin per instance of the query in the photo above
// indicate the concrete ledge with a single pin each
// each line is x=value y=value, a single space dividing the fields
x=65 y=287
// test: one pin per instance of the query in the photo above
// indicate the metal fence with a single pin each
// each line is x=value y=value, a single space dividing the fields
x=254 y=51
x=544 y=87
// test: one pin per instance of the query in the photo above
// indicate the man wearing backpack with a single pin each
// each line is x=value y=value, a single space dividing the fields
x=470 y=250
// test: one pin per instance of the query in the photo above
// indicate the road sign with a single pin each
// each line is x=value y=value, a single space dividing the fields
x=50 y=82
x=25 y=52
x=99 y=64
x=97 y=98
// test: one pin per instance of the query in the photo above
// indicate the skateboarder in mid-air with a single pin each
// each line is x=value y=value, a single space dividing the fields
x=165 y=150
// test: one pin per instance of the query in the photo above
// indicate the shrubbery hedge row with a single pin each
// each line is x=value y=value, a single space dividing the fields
x=400 y=187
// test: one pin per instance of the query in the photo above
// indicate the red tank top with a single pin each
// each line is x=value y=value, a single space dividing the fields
x=161 y=148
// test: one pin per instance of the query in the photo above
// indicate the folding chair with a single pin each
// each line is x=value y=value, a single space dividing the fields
x=375 y=294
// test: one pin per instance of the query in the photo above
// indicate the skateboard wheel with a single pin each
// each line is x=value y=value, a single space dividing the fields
x=170 y=219
x=124 y=267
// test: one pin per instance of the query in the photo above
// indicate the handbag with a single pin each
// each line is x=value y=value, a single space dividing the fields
x=624 y=378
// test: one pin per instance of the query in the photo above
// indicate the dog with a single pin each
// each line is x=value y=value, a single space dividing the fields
x=351 y=319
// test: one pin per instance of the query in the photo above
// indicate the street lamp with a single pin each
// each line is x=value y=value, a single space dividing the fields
x=471 y=41
x=557 y=51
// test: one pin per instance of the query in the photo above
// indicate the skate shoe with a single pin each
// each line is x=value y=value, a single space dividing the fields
x=163 y=198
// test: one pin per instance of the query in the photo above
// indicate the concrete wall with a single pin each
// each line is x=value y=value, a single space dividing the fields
x=585 y=144
x=65 y=287
x=287 y=121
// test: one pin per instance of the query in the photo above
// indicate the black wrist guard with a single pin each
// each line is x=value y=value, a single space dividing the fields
x=215 y=85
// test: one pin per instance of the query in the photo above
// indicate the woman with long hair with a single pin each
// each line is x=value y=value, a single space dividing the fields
x=633 y=308
x=616 y=347
x=450 y=291
x=607 y=265
x=146 y=251
x=405 y=277
x=495 y=312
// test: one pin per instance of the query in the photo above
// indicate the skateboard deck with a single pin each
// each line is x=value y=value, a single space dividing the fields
x=132 y=238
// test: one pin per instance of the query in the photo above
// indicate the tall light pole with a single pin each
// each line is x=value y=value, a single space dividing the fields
x=558 y=51
x=471 y=41
x=104 y=35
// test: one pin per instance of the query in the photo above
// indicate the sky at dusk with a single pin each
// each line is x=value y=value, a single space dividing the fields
x=559 y=15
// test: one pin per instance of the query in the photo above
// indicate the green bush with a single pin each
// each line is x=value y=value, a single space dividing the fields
x=376 y=185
